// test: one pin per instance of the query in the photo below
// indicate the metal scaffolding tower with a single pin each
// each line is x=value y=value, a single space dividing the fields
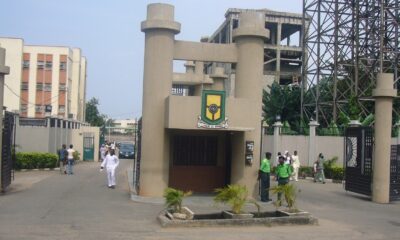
x=346 y=44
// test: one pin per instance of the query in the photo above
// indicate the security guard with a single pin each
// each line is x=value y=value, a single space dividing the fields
x=264 y=176
x=283 y=172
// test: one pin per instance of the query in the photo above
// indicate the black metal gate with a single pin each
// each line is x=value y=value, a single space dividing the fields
x=395 y=173
x=138 y=157
x=7 y=158
x=358 y=159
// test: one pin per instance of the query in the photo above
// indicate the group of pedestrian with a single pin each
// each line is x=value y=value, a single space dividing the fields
x=291 y=160
x=287 y=168
x=66 y=159
x=109 y=161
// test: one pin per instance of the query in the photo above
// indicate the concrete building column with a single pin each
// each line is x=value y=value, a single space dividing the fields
x=219 y=79
x=278 y=52
x=160 y=29
x=383 y=94
x=4 y=70
x=249 y=38
x=277 y=139
x=312 y=142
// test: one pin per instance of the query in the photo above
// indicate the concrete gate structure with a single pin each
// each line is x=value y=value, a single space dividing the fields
x=168 y=120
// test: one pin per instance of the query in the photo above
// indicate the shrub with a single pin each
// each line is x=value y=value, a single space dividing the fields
x=76 y=155
x=289 y=193
x=305 y=171
x=337 y=173
x=330 y=168
x=234 y=195
x=31 y=160
x=174 y=197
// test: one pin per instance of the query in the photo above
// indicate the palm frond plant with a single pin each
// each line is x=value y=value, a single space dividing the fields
x=289 y=193
x=174 y=197
x=234 y=195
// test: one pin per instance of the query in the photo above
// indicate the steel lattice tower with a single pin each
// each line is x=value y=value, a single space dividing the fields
x=346 y=44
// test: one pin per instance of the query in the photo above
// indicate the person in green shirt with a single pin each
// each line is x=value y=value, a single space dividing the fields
x=283 y=172
x=264 y=176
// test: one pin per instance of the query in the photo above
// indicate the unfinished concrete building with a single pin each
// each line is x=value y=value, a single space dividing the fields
x=283 y=51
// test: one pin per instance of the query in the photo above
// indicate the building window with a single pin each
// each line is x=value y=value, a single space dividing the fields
x=49 y=65
x=24 y=86
x=40 y=65
x=235 y=23
x=25 y=64
x=23 y=108
x=61 y=109
x=62 y=87
x=63 y=66
x=47 y=87
x=39 y=86
x=39 y=108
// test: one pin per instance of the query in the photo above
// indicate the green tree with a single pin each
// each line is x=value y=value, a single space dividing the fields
x=93 y=115
x=283 y=101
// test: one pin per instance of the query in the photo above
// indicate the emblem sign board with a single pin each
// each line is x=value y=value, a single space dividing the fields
x=212 y=110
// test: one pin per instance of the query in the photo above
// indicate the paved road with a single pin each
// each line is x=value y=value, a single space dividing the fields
x=75 y=207
x=56 y=206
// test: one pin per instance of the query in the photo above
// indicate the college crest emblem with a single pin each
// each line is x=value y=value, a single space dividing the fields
x=213 y=110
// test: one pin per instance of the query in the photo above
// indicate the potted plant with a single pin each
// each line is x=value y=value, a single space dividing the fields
x=173 y=200
x=235 y=196
x=289 y=193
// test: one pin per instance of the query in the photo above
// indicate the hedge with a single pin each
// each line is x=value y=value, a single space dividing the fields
x=333 y=172
x=32 y=160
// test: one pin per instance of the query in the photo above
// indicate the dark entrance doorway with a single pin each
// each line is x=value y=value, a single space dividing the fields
x=199 y=162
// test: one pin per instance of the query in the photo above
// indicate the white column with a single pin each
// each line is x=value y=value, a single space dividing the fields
x=312 y=142
x=277 y=139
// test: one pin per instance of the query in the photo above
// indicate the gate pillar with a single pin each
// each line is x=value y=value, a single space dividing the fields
x=383 y=94
x=249 y=38
x=160 y=29
x=3 y=71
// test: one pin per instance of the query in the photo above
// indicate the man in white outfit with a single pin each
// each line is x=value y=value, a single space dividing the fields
x=110 y=162
x=296 y=166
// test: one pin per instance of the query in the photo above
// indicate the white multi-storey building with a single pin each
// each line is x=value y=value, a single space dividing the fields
x=43 y=76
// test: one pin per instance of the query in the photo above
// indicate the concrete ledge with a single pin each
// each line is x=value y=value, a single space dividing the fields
x=267 y=221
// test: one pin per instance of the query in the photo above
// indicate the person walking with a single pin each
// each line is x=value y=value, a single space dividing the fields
x=288 y=157
x=319 y=169
x=283 y=172
x=110 y=162
x=62 y=156
x=277 y=159
x=264 y=176
x=70 y=160
x=295 y=166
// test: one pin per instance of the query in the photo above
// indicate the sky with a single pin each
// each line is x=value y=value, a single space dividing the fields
x=108 y=33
